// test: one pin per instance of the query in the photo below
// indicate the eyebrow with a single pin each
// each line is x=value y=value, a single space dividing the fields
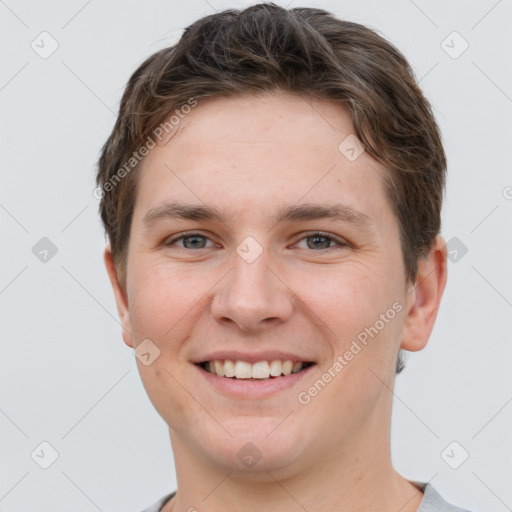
x=339 y=212
x=173 y=210
x=184 y=211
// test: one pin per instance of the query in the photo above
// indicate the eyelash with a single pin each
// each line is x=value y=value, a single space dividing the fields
x=311 y=234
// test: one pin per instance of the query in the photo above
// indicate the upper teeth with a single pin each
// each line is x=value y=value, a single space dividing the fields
x=259 y=370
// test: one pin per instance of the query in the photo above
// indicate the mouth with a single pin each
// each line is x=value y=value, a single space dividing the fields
x=257 y=371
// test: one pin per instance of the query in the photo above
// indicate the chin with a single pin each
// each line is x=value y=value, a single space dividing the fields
x=257 y=447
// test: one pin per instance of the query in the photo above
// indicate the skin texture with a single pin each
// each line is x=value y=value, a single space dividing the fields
x=251 y=156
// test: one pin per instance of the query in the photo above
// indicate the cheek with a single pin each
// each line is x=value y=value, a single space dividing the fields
x=346 y=297
x=167 y=396
x=361 y=307
x=164 y=298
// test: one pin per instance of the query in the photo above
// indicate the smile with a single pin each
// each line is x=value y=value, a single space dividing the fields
x=260 y=370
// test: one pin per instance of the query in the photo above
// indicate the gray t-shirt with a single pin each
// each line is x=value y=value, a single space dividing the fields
x=431 y=502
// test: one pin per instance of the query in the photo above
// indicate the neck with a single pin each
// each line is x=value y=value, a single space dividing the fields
x=357 y=476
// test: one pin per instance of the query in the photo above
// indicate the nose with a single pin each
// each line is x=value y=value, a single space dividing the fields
x=252 y=296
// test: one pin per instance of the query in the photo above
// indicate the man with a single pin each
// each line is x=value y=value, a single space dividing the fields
x=271 y=193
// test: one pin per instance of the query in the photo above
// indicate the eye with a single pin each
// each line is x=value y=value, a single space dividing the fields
x=190 y=241
x=319 y=241
x=322 y=241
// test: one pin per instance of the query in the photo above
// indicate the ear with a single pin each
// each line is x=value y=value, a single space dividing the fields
x=120 y=296
x=424 y=297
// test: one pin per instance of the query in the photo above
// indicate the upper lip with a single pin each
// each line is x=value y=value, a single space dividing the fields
x=252 y=357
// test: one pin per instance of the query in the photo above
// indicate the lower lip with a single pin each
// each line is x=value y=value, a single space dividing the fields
x=253 y=388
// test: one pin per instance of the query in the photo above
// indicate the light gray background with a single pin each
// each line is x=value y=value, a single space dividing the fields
x=66 y=376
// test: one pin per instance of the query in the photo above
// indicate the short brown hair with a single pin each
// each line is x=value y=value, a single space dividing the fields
x=304 y=51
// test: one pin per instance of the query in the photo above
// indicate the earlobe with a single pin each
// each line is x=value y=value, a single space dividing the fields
x=425 y=297
x=120 y=295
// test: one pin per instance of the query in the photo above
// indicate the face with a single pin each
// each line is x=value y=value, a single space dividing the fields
x=236 y=254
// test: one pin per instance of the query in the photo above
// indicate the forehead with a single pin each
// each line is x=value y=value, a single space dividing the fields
x=250 y=153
